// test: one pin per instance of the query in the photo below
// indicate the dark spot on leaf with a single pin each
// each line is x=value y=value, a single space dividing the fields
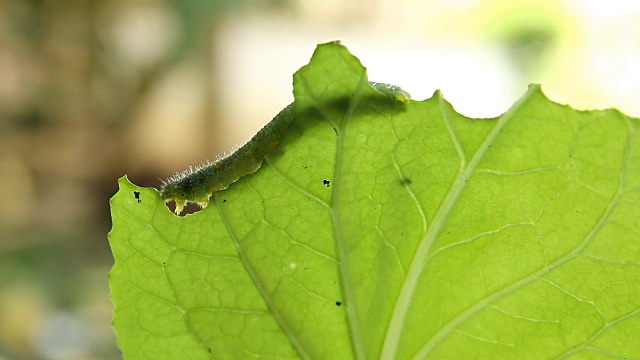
x=326 y=183
x=405 y=181
x=224 y=201
x=137 y=196
x=335 y=130
x=338 y=303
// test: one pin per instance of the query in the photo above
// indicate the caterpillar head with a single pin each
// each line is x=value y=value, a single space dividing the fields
x=392 y=91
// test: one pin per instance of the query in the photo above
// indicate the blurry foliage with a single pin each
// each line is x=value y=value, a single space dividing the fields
x=529 y=32
x=529 y=44
x=72 y=77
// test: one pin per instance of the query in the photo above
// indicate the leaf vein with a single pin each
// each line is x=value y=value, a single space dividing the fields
x=418 y=264
x=447 y=328
x=256 y=281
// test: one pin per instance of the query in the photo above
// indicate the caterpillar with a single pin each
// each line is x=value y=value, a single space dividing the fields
x=196 y=185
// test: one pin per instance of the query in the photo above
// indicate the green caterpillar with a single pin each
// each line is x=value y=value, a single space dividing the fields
x=197 y=184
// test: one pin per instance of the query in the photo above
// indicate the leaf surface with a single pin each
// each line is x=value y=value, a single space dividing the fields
x=383 y=230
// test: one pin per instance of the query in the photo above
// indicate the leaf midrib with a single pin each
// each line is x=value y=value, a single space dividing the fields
x=352 y=312
x=352 y=315
x=419 y=261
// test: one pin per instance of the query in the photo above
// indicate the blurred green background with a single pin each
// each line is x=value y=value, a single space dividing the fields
x=92 y=90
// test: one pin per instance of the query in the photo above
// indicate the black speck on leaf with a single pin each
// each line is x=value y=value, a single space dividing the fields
x=136 y=194
x=326 y=183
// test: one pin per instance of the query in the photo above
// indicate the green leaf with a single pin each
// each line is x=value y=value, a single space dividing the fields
x=396 y=231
